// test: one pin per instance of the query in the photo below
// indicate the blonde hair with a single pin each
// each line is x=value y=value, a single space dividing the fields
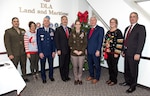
x=114 y=20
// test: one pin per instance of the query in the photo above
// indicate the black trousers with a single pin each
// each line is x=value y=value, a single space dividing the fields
x=64 y=61
x=131 y=70
x=113 y=67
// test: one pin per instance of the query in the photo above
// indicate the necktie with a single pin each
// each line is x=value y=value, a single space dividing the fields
x=127 y=35
x=67 y=33
x=91 y=32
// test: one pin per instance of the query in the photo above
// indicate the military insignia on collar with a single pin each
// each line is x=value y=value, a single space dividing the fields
x=22 y=32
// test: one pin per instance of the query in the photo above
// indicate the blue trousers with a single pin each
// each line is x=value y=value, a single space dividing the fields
x=50 y=63
x=94 y=66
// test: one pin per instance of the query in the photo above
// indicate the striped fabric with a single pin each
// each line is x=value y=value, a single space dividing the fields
x=30 y=43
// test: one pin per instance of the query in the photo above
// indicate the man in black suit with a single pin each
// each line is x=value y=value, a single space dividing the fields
x=63 y=50
x=134 y=40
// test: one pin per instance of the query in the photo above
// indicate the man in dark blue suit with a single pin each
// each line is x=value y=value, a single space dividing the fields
x=46 y=47
x=95 y=40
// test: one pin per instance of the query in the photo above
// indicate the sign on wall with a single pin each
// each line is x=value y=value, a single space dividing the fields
x=31 y=10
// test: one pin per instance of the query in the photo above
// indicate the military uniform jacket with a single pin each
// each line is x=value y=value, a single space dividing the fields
x=78 y=41
x=14 y=42
x=45 y=41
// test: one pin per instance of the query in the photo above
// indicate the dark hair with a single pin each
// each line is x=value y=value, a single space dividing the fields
x=14 y=18
x=63 y=17
x=134 y=13
x=30 y=23
x=77 y=21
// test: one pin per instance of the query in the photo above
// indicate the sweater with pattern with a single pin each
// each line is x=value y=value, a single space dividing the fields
x=114 y=40
x=30 y=43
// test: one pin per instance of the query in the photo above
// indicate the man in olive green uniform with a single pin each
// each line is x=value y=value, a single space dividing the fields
x=14 y=43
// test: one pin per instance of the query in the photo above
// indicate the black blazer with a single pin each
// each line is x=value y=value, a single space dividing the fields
x=136 y=40
x=61 y=41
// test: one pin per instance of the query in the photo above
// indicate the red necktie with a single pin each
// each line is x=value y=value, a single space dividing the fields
x=127 y=35
x=67 y=33
x=91 y=32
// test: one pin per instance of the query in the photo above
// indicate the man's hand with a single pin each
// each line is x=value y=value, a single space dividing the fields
x=41 y=55
x=97 y=53
x=11 y=57
x=137 y=57
x=59 y=52
x=53 y=54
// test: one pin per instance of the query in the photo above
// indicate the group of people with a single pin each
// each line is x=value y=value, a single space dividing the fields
x=43 y=43
x=130 y=46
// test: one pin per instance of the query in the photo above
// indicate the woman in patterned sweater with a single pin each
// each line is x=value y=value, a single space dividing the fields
x=30 y=44
x=112 y=48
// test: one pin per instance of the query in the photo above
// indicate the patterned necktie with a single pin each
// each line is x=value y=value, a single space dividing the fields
x=127 y=35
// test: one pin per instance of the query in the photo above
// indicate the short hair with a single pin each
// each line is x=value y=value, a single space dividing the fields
x=14 y=18
x=114 y=20
x=63 y=17
x=30 y=23
x=94 y=17
x=134 y=13
x=48 y=17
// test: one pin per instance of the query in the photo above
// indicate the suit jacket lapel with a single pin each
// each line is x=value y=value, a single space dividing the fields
x=63 y=31
x=69 y=30
x=62 y=28
x=134 y=28
x=15 y=31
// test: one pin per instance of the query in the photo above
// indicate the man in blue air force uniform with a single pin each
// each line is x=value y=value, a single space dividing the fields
x=46 y=48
